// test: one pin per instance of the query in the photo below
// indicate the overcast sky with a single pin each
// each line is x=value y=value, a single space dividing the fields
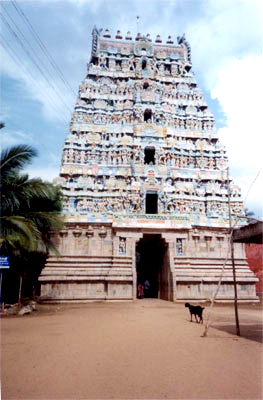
x=45 y=47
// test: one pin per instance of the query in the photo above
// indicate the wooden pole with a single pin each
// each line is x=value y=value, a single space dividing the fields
x=215 y=294
x=1 y=288
x=137 y=23
x=232 y=256
x=20 y=291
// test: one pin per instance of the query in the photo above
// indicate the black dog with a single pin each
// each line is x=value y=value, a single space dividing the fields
x=196 y=311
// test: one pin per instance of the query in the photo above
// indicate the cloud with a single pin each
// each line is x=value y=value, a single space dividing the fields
x=46 y=174
x=224 y=30
x=239 y=93
x=93 y=5
x=209 y=26
x=14 y=138
x=225 y=38
x=53 y=102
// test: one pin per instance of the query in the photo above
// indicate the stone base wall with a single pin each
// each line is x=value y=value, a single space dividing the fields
x=86 y=291
x=204 y=291
x=197 y=278
x=74 y=278
x=99 y=263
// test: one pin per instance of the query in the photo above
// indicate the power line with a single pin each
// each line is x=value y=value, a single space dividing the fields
x=42 y=46
x=27 y=73
x=250 y=187
x=18 y=62
x=19 y=30
x=33 y=61
x=23 y=37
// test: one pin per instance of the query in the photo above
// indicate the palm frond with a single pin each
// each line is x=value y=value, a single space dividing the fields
x=15 y=158
x=17 y=230
x=37 y=188
x=18 y=191
x=29 y=207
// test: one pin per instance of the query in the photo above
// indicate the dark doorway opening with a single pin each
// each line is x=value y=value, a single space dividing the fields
x=147 y=115
x=149 y=153
x=144 y=64
x=151 y=203
x=145 y=85
x=150 y=263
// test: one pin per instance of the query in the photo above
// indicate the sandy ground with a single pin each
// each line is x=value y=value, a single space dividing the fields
x=147 y=349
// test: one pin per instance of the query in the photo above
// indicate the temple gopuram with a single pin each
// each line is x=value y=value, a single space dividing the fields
x=145 y=184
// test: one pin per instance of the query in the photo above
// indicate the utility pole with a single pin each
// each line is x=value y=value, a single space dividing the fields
x=232 y=254
x=137 y=23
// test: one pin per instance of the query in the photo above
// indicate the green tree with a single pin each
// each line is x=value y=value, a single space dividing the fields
x=29 y=210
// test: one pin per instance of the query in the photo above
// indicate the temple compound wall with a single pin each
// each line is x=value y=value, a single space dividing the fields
x=100 y=262
x=146 y=193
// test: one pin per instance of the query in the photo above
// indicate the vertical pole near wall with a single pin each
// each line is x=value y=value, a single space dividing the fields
x=232 y=255
x=1 y=289
x=137 y=23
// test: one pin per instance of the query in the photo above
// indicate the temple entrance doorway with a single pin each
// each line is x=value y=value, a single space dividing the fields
x=152 y=267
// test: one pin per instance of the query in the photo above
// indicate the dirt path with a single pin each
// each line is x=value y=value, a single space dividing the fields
x=142 y=350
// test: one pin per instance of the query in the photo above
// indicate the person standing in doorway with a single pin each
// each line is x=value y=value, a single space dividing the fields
x=146 y=288
x=140 y=287
x=140 y=291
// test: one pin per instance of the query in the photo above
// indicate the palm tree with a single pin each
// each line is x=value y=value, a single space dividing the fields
x=29 y=208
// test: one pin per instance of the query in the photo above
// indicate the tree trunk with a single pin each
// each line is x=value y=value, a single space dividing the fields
x=20 y=290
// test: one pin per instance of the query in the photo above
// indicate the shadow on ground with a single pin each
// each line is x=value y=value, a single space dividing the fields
x=249 y=331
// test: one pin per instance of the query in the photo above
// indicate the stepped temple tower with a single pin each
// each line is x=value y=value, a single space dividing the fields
x=144 y=181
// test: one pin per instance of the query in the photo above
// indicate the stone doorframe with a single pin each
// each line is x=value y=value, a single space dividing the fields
x=169 y=239
x=134 y=238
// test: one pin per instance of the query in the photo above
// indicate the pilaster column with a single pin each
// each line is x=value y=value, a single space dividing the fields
x=77 y=234
x=89 y=235
x=102 y=234
x=63 y=235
